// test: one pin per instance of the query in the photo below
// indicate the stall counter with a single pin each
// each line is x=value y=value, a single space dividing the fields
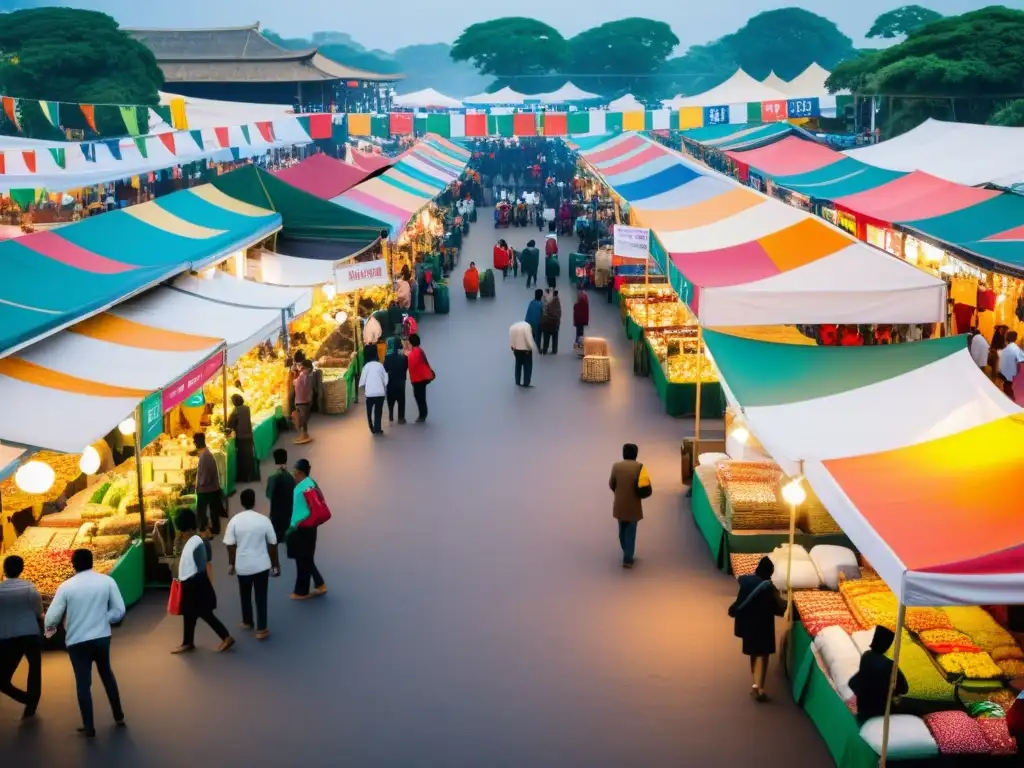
x=129 y=574
x=680 y=399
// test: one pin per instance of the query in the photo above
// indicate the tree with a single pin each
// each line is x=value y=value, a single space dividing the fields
x=701 y=68
x=900 y=22
x=787 y=41
x=67 y=55
x=1011 y=114
x=340 y=47
x=620 y=56
x=518 y=52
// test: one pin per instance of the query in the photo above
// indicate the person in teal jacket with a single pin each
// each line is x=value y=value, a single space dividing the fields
x=534 y=312
x=552 y=269
x=302 y=541
x=529 y=259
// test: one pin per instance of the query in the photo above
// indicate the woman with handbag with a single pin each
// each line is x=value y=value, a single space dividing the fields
x=197 y=598
x=757 y=604
x=420 y=374
x=302 y=534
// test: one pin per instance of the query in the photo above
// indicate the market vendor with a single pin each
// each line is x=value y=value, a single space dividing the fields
x=240 y=422
x=871 y=683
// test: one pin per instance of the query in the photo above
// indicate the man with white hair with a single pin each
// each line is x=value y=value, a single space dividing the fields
x=523 y=346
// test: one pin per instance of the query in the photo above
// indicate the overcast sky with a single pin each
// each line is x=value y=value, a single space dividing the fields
x=395 y=23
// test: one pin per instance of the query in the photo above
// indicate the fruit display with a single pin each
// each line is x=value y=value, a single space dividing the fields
x=654 y=290
x=676 y=350
x=47 y=569
x=974 y=666
x=262 y=375
x=659 y=313
x=65 y=469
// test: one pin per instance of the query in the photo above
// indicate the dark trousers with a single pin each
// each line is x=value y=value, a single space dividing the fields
x=551 y=281
x=419 y=394
x=627 y=540
x=212 y=503
x=531 y=278
x=246 y=584
x=83 y=656
x=12 y=651
x=546 y=338
x=524 y=366
x=579 y=333
x=396 y=398
x=374 y=412
x=303 y=548
x=504 y=273
x=191 y=619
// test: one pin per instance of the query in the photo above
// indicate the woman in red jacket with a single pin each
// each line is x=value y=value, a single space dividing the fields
x=502 y=258
x=581 y=315
x=420 y=374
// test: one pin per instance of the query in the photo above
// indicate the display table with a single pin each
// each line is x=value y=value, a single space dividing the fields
x=680 y=399
x=265 y=434
x=722 y=542
x=129 y=574
x=633 y=331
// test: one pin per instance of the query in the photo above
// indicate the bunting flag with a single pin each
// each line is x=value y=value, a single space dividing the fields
x=167 y=139
x=179 y=118
x=89 y=112
x=197 y=137
x=51 y=111
x=223 y=138
x=131 y=120
x=164 y=113
x=11 y=110
x=304 y=123
x=140 y=142
x=89 y=151
x=29 y=156
x=23 y=198
x=114 y=145
x=320 y=126
x=245 y=134
x=3 y=163
x=266 y=129
x=59 y=157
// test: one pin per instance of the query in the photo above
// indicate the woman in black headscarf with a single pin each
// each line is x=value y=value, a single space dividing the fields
x=871 y=683
x=757 y=604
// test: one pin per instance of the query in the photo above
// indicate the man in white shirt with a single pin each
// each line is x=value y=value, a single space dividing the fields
x=252 y=555
x=1009 y=358
x=88 y=603
x=979 y=348
x=520 y=336
x=374 y=381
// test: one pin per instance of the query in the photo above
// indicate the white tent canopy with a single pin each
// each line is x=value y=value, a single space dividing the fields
x=808 y=84
x=280 y=269
x=567 y=93
x=961 y=152
x=428 y=98
x=738 y=89
x=225 y=289
x=627 y=103
x=505 y=97
x=776 y=82
x=211 y=113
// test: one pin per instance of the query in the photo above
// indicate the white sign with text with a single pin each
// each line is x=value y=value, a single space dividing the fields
x=363 y=274
x=632 y=242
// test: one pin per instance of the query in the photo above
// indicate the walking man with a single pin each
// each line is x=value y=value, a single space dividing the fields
x=550 y=322
x=374 y=382
x=88 y=603
x=523 y=346
x=209 y=496
x=252 y=555
x=396 y=364
x=20 y=611
x=280 y=487
x=534 y=313
x=530 y=260
x=627 y=508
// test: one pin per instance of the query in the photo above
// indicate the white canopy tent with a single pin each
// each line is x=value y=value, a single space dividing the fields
x=776 y=82
x=961 y=152
x=280 y=269
x=741 y=88
x=428 y=98
x=225 y=289
x=627 y=103
x=505 y=97
x=211 y=113
x=808 y=84
x=566 y=94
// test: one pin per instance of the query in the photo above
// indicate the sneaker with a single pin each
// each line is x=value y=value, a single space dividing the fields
x=321 y=590
x=183 y=649
x=627 y=565
x=263 y=634
x=243 y=625
x=226 y=645
x=89 y=733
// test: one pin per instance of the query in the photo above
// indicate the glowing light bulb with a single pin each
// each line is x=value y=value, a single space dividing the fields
x=793 y=492
x=90 y=461
x=127 y=427
x=35 y=477
x=741 y=435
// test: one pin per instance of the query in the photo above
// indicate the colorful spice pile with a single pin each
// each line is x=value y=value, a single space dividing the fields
x=818 y=609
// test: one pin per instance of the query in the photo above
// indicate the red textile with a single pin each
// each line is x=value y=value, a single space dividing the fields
x=986 y=300
x=581 y=311
x=401 y=123
x=320 y=126
x=471 y=280
x=788 y=157
x=322 y=176
x=829 y=335
x=419 y=368
x=551 y=247
x=501 y=257
x=917 y=195
x=556 y=124
x=524 y=124
x=476 y=125
x=963 y=315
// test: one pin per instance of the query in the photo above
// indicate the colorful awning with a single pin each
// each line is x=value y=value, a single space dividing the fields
x=50 y=279
x=900 y=443
x=322 y=176
x=738 y=257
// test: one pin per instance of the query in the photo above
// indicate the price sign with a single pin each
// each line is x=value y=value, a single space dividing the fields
x=632 y=242
x=716 y=115
x=773 y=111
x=803 y=108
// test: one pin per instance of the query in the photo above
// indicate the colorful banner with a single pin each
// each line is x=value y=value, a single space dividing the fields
x=803 y=108
x=151 y=424
x=352 y=277
x=181 y=390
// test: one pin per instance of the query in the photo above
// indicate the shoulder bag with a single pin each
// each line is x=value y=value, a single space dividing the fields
x=319 y=512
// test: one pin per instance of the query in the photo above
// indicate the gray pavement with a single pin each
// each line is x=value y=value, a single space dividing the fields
x=478 y=614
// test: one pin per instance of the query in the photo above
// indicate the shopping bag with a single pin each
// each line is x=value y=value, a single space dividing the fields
x=319 y=512
x=643 y=484
x=174 y=601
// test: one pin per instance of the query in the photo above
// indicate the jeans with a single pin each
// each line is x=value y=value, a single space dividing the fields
x=419 y=394
x=579 y=333
x=214 y=502
x=504 y=273
x=245 y=588
x=191 y=619
x=551 y=281
x=549 y=337
x=374 y=412
x=396 y=398
x=627 y=540
x=83 y=656
x=531 y=278
x=11 y=652
x=524 y=366
x=303 y=549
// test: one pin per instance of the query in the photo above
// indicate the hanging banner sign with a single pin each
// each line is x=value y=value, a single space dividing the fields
x=632 y=242
x=181 y=390
x=198 y=400
x=364 y=274
x=152 y=424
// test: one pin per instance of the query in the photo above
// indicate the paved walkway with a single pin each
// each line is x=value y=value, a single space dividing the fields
x=478 y=614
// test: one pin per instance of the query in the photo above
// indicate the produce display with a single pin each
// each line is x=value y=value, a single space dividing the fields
x=654 y=290
x=677 y=352
x=65 y=467
x=262 y=376
x=662 y=312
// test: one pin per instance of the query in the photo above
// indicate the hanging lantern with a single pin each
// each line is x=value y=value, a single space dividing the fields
x=90 y=461
x=127 y=427
x=35 y=477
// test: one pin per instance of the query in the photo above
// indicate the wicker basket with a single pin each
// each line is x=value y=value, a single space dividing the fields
x=595 y=346
x=596 y=369
x=334 y=396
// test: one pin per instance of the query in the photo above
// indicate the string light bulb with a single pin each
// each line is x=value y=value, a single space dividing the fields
x=90 y=461
x=127 y=427
x=740 y=435
x=35 y=477
x=793 y=492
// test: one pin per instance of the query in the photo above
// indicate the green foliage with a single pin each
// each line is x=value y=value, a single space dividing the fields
x=431 y=66
x=701 y=68
x=900 y=22
x=340 y=47
x=1011 y=114
x=620 y=56
x=518 y=52
x=62 y=54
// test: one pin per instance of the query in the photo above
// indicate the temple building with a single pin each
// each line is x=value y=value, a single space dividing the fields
x=240 y=64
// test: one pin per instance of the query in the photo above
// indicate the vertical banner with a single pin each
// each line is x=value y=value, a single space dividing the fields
x=152 y=419
x=802 y=108
x=773 y=111
x=178 y=392
x=716 y=115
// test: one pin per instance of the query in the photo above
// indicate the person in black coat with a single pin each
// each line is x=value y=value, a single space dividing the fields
x=871 y=683
x=396 y=365
x=757 y=604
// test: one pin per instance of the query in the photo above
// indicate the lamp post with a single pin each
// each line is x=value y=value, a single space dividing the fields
x=794 y=495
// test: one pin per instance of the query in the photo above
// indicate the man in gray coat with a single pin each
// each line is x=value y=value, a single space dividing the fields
x=627 y=508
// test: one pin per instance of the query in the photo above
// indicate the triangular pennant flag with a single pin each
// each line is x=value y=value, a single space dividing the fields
x=11 y=110
x=236 y=154
x=29 y=156
x=131 y=120
x=179 y=118
x=140 y=142
x=222 y=137
x=266 y=129
x=59 y=157
x=245 y=133
x=114 y=145
x=304 y=124
x=3 y=163
x=89 y=112
x=197 y=137
x=89 y=150
x=51 y=111
x=167 y=139
x=165 y=114
x=23 y=198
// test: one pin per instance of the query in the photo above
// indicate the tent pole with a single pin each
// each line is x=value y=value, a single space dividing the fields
x=224 y=376
x=700 y=376
x=138 y=479
x=900 y=617
x=647 y=291
x=789 y=567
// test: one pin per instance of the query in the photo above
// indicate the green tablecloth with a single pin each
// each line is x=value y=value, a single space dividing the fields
x=264 y=434
x=230 y=467
x=352 y=374
x=129 y=574
x=633 y=331
x=681 y=399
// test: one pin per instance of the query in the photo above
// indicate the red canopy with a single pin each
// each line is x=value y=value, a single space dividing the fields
x=917 y=195
x=323 y=176
x=371 y=163
x=788 y=157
